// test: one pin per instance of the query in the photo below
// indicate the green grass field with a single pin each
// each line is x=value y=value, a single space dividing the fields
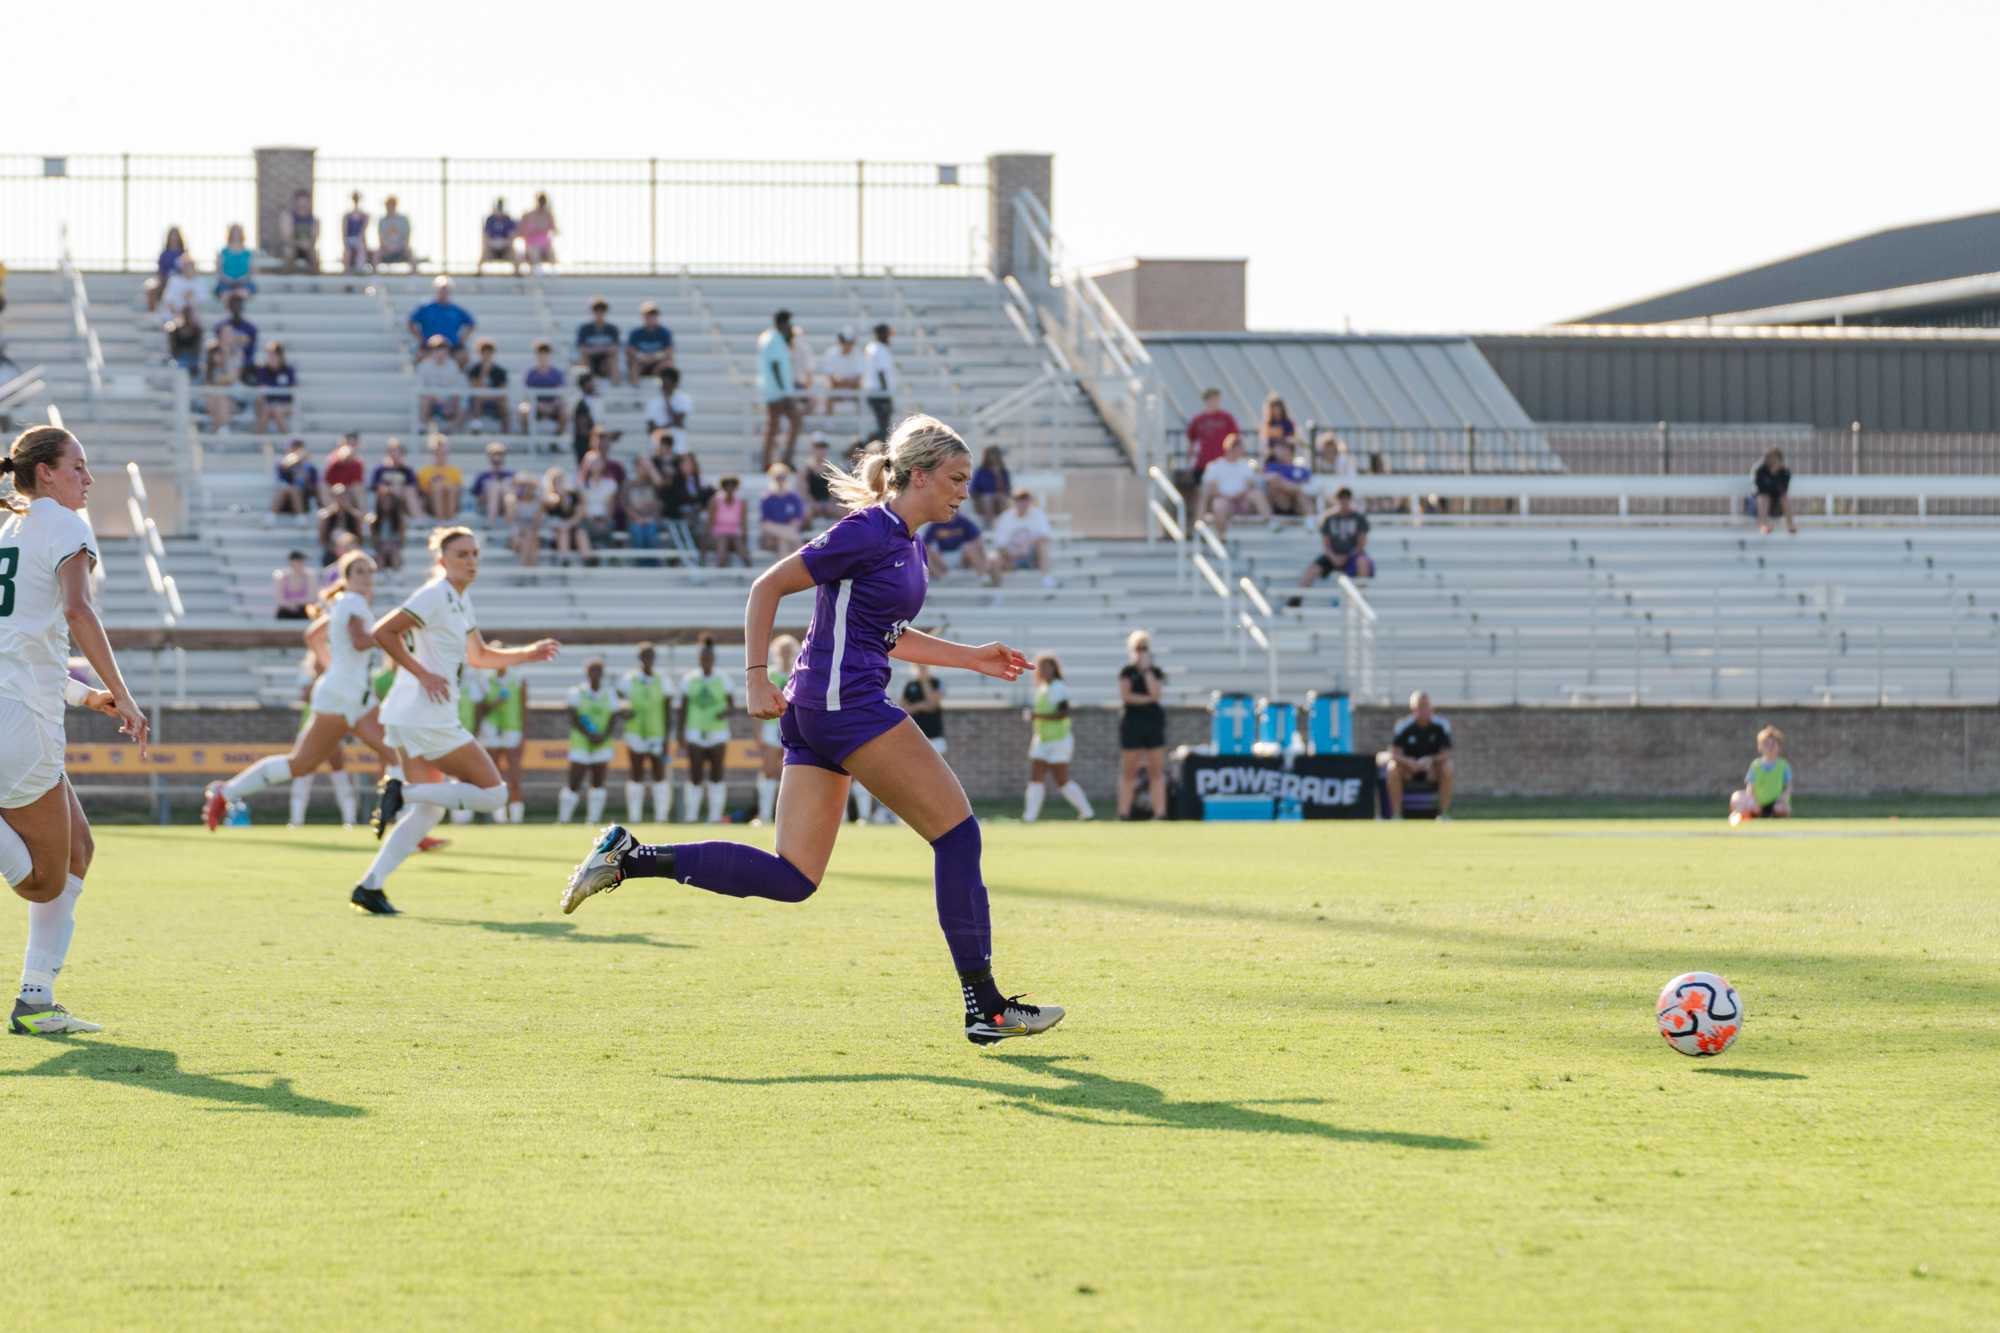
x=1313 y=1076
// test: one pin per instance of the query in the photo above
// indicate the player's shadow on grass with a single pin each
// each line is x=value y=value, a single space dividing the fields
x=1773 y=1075
x=565 y=931
x=160 y=1071
x=1087 y=1098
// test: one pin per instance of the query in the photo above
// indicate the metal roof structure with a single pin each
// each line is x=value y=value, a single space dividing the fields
x=1919 y=256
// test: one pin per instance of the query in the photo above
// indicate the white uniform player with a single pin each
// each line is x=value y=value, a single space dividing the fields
x=34 y=646
x=344 y=690
x=422 y=727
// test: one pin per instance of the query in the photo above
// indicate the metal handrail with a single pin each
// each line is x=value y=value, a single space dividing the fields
x=79 y=314
x=1220 y=587
x=1255 y=596
x=22 y=387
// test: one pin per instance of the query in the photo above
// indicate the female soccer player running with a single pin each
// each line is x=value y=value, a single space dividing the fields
x=343 y=700
x=770 y=738
x=429 y=637
x=836 y=719
x=45 y=844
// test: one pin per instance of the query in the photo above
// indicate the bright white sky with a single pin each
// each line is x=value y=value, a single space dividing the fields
x=1411 y=166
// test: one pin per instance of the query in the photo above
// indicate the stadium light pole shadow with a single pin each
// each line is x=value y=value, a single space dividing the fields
x=566 y=931
x=160 y=1071
x=1081 y=1092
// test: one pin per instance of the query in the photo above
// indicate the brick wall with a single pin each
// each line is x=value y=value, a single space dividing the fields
x=1501 y=751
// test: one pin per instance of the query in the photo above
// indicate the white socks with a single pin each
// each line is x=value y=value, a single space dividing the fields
x=343 y=795
x=594 y=805
x=50 y=926
x=412 y=828
x=1073 y=793
x=715 y=795
x=15 y=863
x=565 y=805
x=262 y=774
x=302 y=791
x=767 y=797
x=690 y=802
x=1032 y=809
x=461 y=816
x=517 y=812
x=635 y=802
x=662 y=802
x=456 y=796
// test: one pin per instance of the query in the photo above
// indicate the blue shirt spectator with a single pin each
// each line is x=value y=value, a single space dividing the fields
x=239 y=330
x=774 y=362
x=277 y=377
x=441 y=318
x=782 y=507
x=650 y=338
x=949 y=535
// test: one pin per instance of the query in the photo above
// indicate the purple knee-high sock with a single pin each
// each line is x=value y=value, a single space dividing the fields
x=723 y=867
x=961 y=899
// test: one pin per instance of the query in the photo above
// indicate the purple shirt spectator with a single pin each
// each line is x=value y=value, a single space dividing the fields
x=784 y=508
x=872 y=577
x=1296 y=473
x=951 y=533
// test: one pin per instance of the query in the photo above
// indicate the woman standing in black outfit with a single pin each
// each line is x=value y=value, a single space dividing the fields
x=1142 y=728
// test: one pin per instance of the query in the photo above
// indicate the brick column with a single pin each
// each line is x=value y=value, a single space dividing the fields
x=280 y=171
x=1007 y=174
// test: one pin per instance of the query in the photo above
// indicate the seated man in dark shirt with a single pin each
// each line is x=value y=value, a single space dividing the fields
x=1774 y=492
x=1419 y=754
x=954 y=540
x=649 y=349
x=597 y=343
x=1344 y=535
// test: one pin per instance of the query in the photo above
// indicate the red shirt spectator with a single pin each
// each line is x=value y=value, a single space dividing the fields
x=343 y=465
x=1209 y=433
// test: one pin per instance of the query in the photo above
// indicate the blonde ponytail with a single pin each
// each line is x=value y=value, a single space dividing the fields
x=919 y=444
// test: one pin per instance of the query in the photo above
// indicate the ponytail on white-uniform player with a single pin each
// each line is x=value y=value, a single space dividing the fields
x=31 y=449
x=343 y=567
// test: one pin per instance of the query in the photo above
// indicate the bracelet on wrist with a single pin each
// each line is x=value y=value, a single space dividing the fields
x=758 y=667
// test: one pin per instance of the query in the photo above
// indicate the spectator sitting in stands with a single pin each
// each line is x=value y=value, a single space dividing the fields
x=639 y=498
x=343 y=542
x=524 y=517
x=354 y=256
x=840 y=368
x=598 y=491
x=1229 y=486
x=564 y=508
x=589 y=411
x=1285 y=481
x=1209 y=432
x=171 y=253
x=781 y=514
x=597 y=343
x=1344 y=534
x=991 y=484
x=1335 y=459
x=879 y=379
x=1419 y=753
x=292 y=587
x=685 y=498
x=774 y=387
x=667 y=411
x=491 y=487
x=297 y=488
x=391 y=519
x=232 y=266
x=649 y=349
x=341 y=514
x=487 y=384
x=182 y=288
x=185 y=338
x=275 y=380
x=1277 y=424
x=819 y=495
x=1021 y=538
x=392 y=237
x=343 y=465
x=802 y=367
x=1774 y=493
x=230 y=386
x=440 y=385
x=538 y=233
x=545 y=380
x=496 y=240
x=298 y=234
x=441 y=317
x=439 y=482
x=726 y=523
x=238 y=335
x=394 y=467
x=602 y=443
x=954 y=536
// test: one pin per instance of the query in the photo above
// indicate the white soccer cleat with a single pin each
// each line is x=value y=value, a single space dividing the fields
x=602 y=871
x=47 y=1020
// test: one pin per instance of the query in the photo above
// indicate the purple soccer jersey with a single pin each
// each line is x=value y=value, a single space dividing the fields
x=872 y=578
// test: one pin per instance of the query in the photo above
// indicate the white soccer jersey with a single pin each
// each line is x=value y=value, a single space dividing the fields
x=34 y=632
x=347 y=666
x=444 y=619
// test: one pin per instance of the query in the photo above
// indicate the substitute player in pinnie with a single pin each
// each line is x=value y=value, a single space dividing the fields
x=837 y=723
x=1767 y=786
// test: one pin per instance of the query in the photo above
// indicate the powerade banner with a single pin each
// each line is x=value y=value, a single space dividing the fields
x=1248 y=786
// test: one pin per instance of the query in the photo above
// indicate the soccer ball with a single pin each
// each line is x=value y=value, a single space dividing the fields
x=1699 y=1014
